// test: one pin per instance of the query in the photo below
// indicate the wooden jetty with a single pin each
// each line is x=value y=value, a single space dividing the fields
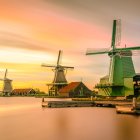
x=134 y=108
x=62 y=104
x=128 y=110
x=111 y=103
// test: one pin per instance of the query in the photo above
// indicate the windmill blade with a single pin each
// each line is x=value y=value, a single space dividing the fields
x=59 y=55
x=47 y=65
x=113 y=34
x=68 y=67
x=118 y=33
x=97 y=51
x=5 y=76
x=128 y=49
x=130 y=53
x=1 y=79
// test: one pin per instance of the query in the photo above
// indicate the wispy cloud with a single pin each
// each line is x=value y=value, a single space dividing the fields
x=14 y=40
x=32 y=32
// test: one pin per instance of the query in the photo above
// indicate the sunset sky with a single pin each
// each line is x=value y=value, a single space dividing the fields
x=33 y=31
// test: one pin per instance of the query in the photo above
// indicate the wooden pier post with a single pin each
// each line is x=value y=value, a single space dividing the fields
x=42 y=99
x=134 y=103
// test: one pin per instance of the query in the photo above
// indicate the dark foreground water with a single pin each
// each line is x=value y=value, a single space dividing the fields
x=24 y=119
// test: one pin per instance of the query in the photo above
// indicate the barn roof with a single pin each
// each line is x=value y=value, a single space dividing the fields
x=69 y=87
x=25 y=90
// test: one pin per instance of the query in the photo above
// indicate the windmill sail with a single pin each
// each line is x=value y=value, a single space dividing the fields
x=5 y=74
x=113 y=35
x=118 y=33
x=116 y=40
x=97 y=51
x=59 y=55
x=47 y=65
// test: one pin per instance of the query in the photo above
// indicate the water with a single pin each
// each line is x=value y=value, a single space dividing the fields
x=22 y=118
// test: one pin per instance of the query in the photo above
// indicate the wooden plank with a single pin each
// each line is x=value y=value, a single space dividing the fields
x=62 y=104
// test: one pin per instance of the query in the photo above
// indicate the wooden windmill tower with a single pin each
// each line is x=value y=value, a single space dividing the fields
x=59 y=80
x=7 y=84
x=121 y=78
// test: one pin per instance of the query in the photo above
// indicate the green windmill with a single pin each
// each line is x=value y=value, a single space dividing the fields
x=122 y=79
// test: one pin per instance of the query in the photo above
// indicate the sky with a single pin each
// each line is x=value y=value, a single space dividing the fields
x=33 y=31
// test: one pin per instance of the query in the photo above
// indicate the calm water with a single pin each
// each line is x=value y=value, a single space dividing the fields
x=24 y=119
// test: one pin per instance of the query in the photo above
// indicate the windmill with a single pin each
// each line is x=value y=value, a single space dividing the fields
x=121 y=78
x=7 y=84
x=59 y=80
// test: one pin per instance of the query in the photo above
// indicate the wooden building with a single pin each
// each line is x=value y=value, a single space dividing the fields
x=23 y=92
x=75 y=89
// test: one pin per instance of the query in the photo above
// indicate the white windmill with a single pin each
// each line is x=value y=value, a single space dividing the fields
x=7 y=84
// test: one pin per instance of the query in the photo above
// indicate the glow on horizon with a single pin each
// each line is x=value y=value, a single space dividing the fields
x=15 y=55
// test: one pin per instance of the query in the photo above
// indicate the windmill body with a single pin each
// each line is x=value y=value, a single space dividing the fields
x=7 y=87
x=120 y=80
x=7 y=84
x=59 y=76
x=59 y=80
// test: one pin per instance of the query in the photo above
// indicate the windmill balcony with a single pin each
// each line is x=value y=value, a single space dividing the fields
x=107 y=85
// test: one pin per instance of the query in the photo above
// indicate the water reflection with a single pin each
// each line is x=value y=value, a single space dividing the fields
x=126 y=125
x=62 y=127
x=23 y=118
